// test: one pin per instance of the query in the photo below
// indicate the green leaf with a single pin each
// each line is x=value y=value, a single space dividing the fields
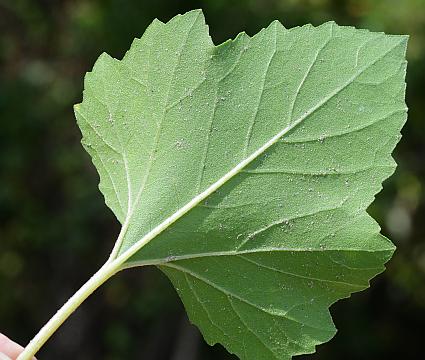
x=244 y=170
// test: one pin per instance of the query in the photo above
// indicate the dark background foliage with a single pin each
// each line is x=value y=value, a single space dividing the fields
x=55 y=230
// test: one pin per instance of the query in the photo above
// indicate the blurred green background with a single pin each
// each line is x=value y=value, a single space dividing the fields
x=55 y=230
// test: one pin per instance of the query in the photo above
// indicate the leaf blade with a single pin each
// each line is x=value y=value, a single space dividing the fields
x=274 y=180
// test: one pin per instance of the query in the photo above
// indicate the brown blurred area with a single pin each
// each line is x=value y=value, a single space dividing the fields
x=55 y=230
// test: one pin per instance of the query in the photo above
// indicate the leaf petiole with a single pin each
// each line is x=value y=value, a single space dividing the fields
x=103 y=274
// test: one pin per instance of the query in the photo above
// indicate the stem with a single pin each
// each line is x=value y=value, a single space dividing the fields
x=103 y=274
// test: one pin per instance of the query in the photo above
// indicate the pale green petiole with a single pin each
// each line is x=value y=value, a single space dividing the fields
x=104 y=273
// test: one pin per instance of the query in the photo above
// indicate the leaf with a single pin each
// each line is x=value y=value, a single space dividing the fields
x=244 y=170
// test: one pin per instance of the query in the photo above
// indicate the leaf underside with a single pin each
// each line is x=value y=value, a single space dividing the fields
x=307 y=116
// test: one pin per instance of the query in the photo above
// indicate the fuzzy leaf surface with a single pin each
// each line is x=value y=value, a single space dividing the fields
x=244 y=170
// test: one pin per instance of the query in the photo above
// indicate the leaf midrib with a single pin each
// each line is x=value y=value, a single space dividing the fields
x=123 y=257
